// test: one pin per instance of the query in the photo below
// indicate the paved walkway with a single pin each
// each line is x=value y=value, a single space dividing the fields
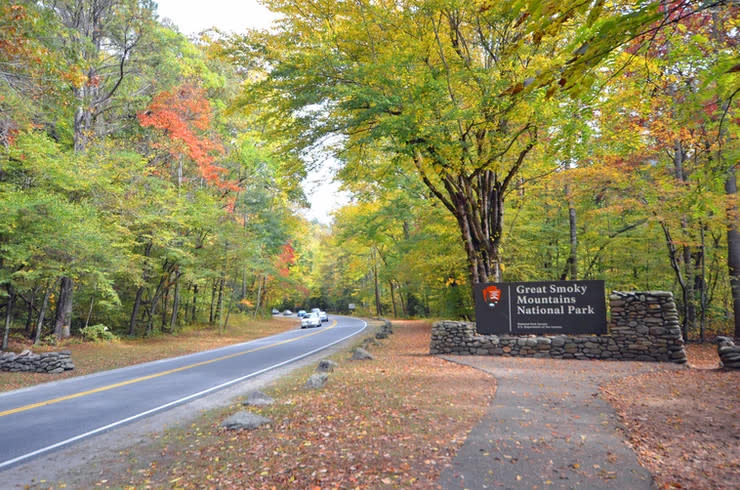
x=548 y=428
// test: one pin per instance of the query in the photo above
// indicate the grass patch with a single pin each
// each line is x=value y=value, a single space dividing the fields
x=92 y=357
x=394 y=421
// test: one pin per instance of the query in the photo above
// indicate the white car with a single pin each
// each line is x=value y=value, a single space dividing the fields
x=324 y=317
x=311 y=320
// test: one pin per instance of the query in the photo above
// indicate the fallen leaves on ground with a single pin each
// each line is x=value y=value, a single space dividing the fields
x=92 y=357
x=394 y=421
x=684 y=425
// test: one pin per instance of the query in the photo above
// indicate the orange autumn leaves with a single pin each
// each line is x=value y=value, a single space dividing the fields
x=184 y=114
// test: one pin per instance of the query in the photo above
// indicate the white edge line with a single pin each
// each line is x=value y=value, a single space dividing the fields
x=18 y=459
x=145 y=364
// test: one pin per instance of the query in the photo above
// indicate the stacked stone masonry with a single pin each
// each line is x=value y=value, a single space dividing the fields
x=27 y=361
x=644 y=326
x=729 y=353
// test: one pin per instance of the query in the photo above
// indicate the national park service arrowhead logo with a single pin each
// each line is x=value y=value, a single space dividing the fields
x=491 y=295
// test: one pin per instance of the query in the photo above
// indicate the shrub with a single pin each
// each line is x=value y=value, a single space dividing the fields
x=99 y=332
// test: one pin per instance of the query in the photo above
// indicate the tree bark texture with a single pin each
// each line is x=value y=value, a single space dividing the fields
x=573 y=258
x=175 y=301
x=476 y=200
x=63 y=317
x=733 y=244
x=42 y=312
x=8 y=316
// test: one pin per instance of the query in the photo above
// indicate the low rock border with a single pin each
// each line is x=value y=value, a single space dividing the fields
x=27 y=361
x=644 y=327
x=729 y=353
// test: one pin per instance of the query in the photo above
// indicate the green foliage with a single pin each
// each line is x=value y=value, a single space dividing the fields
x=97 y=333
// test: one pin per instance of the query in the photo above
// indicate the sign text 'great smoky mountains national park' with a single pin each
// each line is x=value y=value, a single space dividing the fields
x=548 y=307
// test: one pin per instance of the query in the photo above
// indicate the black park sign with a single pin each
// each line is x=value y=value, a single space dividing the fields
x=547 y=307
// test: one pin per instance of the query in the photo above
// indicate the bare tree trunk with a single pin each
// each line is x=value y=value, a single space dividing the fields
x=673 y=256
x=139 y=292
x=42 y=313
x=259 y=295
x=733 y=244
x=8 y=315
x=135 y=311
x=393 y=298
x=703 y=289
x=573 y=258
x=221 y=302
x=228 y=312
x=64 y=309
x=89 y=312
x=28 y=331
x=378 y=306
x=213 y=301
x=195 y=299
x=153 y=305
x=175 y=300
x=165 y=304
x=688 y=264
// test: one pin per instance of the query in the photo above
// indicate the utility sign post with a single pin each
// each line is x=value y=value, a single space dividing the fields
x=545 y=307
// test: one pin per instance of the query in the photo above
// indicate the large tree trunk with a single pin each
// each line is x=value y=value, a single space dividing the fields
x=259 y=295
x=393 y=298
x=135 y=311
x=153 y=305
x=42 y=313
x=8 y=315
x=29 y=312
x=175 y=301
x=63 y=317
x=213 y=301
x=139 y=292
x=573 y=257
x=221 y=302
x=195 y=299
x=733 y=244
x=378 y=306
x=675 y=265
x=477 y=202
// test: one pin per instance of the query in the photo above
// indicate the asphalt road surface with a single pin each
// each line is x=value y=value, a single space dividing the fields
x=42 y=418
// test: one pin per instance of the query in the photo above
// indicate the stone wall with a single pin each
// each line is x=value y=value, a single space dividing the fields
x=644 y=327
x=27 y=361
x=729 y=353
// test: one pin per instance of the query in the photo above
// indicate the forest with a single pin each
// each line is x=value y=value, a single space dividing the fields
x=150 y=180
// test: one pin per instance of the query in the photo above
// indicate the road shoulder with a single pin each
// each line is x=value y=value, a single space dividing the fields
x=81 y=464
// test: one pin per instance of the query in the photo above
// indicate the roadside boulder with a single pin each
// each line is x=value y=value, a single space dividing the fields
x=316 y=381
x=245 y=420
x=729 y=353
x=370 y=341
x=361 y=354
x=258 y=398
x=326 y=366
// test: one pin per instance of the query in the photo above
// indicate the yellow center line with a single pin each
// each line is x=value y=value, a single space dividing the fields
x=156 y=375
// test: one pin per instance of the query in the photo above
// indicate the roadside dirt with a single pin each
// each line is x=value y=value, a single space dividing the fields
x=684 y=425
x=394 y=421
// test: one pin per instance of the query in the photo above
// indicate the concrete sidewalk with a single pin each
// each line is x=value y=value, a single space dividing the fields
x=548 y=428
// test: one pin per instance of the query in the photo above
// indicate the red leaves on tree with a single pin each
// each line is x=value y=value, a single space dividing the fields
x=184 y=114
x=285 y=259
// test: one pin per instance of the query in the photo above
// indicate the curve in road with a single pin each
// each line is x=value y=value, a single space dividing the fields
x=43 y=418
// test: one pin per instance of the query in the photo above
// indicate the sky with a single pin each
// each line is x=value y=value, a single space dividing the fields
x=193 y=16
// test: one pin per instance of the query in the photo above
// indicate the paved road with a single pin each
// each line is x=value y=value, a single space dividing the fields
x=36 y=420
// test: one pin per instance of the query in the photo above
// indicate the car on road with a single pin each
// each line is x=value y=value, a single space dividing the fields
x=287 y=313
x=302 y=313
x=322 y=314
x=311 y=320
x=275 y=311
